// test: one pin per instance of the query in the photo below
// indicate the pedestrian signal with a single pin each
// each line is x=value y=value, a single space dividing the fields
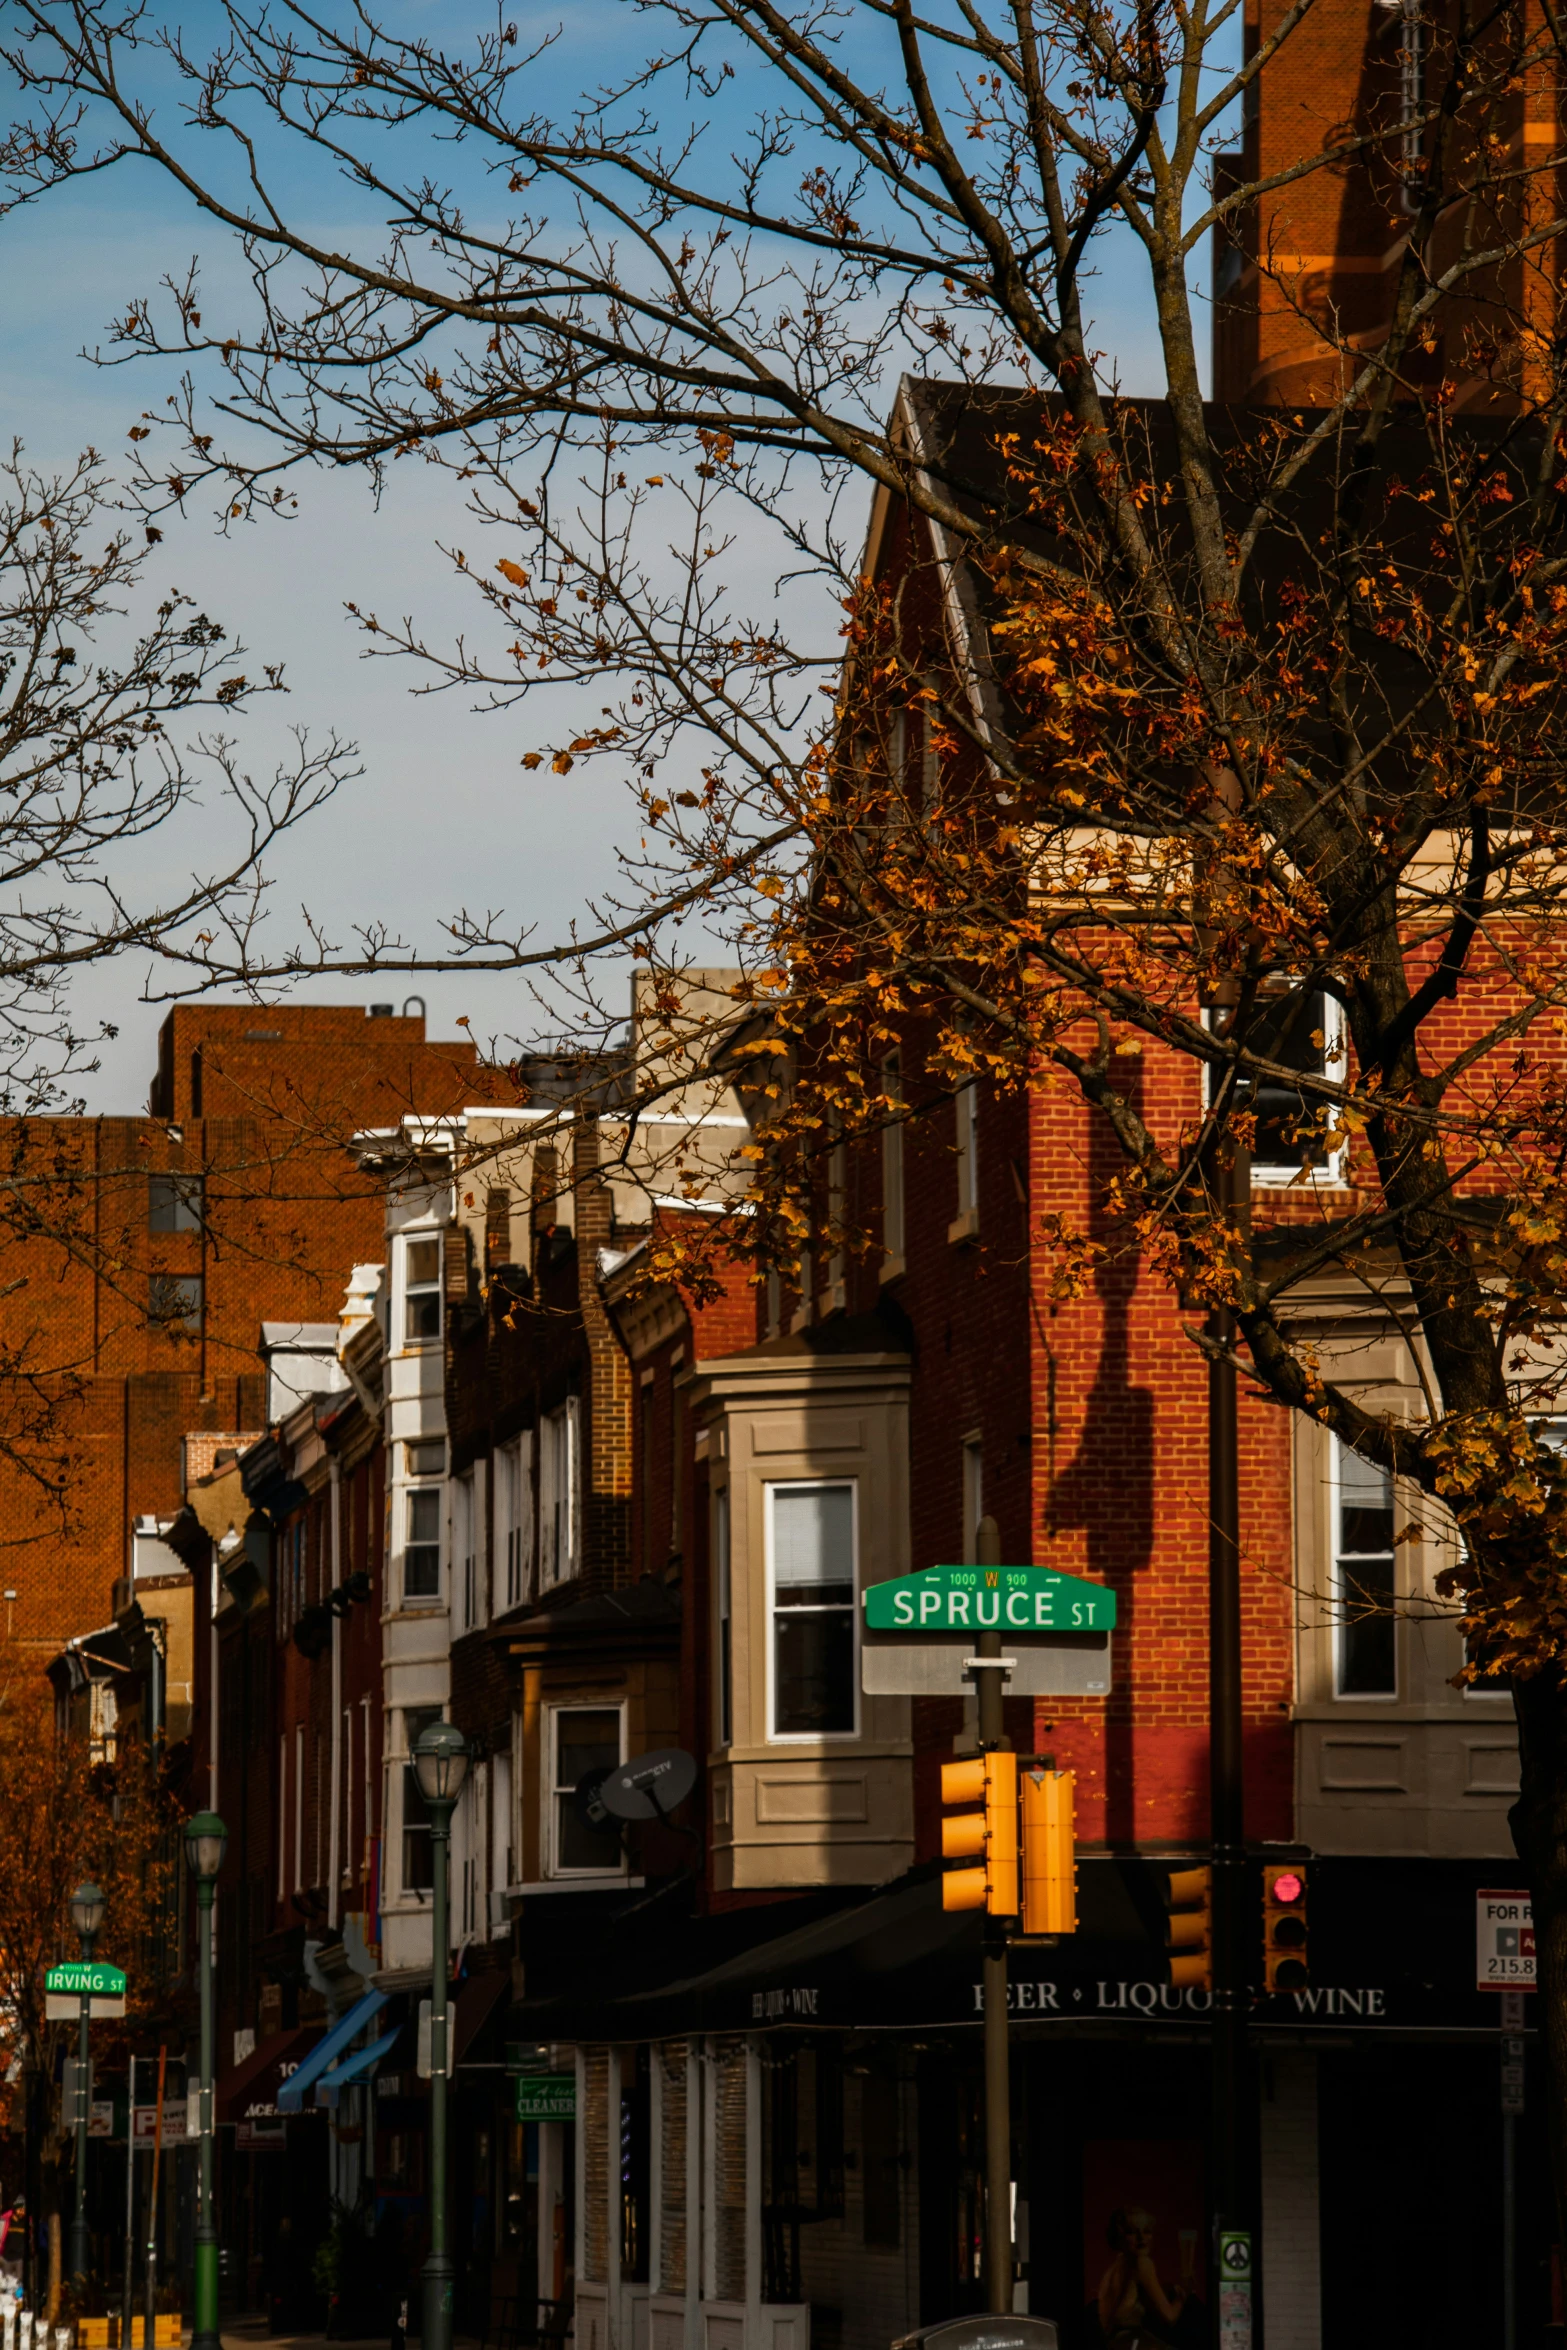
x=990 y=1835
x=1188 y=1930
x=1284 y=1962
x=1047 y=1818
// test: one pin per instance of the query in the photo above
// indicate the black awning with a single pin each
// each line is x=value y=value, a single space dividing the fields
x=894 y=1959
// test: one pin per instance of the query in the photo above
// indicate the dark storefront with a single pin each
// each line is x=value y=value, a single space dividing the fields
x=1377 y=2157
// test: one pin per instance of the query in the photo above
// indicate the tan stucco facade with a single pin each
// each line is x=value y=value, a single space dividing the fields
x=799 y=1811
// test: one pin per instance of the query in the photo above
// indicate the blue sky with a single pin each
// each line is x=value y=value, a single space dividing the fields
x=444 y=814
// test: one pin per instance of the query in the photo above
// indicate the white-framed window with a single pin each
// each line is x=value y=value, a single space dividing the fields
x=724 y=1692
x=422 y=1289
x=560 y=1540
x=892 y=1163
x=422 y=1541
x=465 y=1545
x=299 y=1807
x=579 y=1740
x=807 y=1287
x=973 y=1496
x=813 y=1647
x=514 y=1516
x=1303 y=1029
x=282 y=1816
x=966 y=1105
x=470 y=1824
x=1365 y=1646
x=504 y=1869
x=418 y=1866
x=837 y=1209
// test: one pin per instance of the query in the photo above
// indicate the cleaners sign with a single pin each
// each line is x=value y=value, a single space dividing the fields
x=989 y=1599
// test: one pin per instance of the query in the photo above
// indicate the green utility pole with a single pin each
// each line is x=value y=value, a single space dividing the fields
x=205 y=1841
x=87 y=1908
x=440 y=1763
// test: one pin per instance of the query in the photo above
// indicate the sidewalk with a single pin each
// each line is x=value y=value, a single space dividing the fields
x=250 y=2333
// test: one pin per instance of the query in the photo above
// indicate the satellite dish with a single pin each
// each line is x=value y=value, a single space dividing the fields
x=649 y=1786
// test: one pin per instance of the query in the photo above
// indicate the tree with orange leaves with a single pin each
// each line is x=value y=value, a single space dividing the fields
x=72 y=1817
x=1232 y=742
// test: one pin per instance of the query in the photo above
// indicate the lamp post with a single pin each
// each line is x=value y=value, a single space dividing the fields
x=440 y=1763
x=206 y=1840
x=87 y=1908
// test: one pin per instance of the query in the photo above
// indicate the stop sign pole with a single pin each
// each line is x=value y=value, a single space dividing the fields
x=989 y=1673
x=1227 y=1816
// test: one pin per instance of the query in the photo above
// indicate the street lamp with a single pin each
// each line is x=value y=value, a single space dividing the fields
x=87 y=1906
x=206 y=1840
x=440 y=1765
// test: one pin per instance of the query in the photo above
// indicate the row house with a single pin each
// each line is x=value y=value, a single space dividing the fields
x=717 y=2075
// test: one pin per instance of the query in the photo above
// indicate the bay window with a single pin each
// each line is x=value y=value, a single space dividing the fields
x=811 y=1579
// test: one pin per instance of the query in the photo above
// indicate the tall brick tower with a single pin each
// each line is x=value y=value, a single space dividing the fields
x=1306 y=276
x=139 y=1257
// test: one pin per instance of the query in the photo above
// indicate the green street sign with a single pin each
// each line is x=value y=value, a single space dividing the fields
x=86 y=1978
x=1012 y=1600
x=547 y=2097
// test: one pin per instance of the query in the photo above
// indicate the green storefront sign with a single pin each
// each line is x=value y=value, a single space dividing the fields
x=989 y=1599
x=547 y=2097
x=79 y=1978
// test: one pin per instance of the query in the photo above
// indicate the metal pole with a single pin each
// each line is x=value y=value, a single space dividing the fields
x=80 y=2248
x=438 y=2278
x=205 y=2314
x=1227 y=1807
x=998 y=2081
x=128 y=2295
x=150 y=2275
x=1509 y=2231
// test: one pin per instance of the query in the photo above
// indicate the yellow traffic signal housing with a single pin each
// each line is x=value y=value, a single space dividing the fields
x=1285 y=1966
x=1188 y=1929
x=991 y=1834
x=1047 y=1814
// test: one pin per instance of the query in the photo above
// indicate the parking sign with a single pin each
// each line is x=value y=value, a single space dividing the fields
x=1504 y=1941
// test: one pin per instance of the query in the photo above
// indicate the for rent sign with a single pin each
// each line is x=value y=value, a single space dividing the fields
x=1504 y=1941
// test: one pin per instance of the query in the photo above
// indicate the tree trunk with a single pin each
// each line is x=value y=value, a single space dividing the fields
x=56 y=2280
x=1539 y=1824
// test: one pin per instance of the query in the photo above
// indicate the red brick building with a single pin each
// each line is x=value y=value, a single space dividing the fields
x=139 y=1257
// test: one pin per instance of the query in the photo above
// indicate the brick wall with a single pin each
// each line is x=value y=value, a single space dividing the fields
x=285 y=1214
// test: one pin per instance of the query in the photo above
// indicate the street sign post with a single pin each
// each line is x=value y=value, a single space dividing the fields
x=85 y=1978
x=1235 y=2273
x=920 y=1632
x=1504 y=1941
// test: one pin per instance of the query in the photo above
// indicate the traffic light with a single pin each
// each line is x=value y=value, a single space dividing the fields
x=990 y=1834
x=1188 y=1930
x=1046 y=1798
x=1284 y=1962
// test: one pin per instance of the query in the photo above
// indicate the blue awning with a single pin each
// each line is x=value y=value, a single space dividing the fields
x=291 y=2096
x=355 y=2067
